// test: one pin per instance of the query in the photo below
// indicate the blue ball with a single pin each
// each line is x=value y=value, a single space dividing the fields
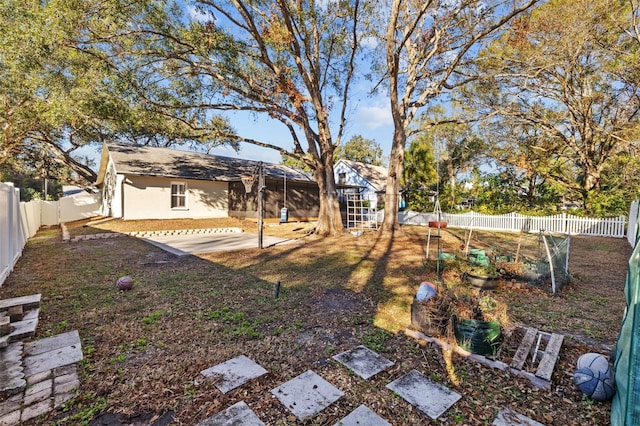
x=595 y=362
x=594 y=384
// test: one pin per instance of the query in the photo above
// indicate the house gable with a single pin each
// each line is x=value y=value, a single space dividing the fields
x=371 y=177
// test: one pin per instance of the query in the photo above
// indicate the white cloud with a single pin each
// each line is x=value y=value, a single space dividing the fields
x=369 y=42
x=373 y=116
x=198 y=15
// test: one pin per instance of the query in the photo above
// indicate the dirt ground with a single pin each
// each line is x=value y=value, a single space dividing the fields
x=144 y=348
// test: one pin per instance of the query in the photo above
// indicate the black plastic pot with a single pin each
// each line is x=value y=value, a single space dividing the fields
x=482 y=282
x=478 y=337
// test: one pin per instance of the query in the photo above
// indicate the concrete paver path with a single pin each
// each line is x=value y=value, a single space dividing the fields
x=182 y=245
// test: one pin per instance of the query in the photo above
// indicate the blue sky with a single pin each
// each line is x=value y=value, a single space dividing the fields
x=370 y=117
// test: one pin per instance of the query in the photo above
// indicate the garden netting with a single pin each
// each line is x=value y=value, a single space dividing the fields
x=625 y=407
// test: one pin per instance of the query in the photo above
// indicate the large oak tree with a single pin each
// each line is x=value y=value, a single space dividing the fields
x=430 y=49
x=57 y=96
x=290 y=61
x=567 y=71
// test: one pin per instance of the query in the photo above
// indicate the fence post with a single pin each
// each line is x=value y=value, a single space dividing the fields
x=4 y=232
x=11 y=217
x=633 y=219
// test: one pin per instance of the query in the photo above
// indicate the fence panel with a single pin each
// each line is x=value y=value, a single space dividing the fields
x=79 y=206
x=514 y=222
x=30 y=213
x=408 y=217
x=12 y=238
x=50 y=213
x=18 y=222
x=5 y=200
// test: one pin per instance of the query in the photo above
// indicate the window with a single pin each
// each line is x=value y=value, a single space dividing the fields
x=178 y=195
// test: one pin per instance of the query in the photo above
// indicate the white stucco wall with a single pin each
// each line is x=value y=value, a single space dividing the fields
x=353 y=178
x=150 y=198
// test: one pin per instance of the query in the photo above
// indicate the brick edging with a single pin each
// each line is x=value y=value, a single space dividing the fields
x=147 y=234
x=203 y=231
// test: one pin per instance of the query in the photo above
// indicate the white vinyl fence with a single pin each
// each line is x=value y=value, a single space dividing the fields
x=19 y=220
x=632 y=229
x=515 y=222
x=14 y=227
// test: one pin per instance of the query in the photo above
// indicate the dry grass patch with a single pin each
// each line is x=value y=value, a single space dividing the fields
x=144 y=348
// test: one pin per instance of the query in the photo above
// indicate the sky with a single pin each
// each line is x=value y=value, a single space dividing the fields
x=370 y=117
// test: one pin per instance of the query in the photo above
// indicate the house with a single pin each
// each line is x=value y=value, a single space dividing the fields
x=365 y=179
x=143 y=182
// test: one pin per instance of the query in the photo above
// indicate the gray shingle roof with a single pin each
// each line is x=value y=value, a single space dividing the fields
x=376 y=175
x=173 y=163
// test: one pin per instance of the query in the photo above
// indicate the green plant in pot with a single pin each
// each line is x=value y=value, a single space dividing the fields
x=481 y=273
x=479 y=329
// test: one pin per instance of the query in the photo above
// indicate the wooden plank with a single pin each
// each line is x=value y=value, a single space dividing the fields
x=525 y=347
x=26 y=328
x=54 y=358
x=548 y=361
x=536 y=381
x=5 y=325
x=27 y=302
x=49 y=344
x=16 y=313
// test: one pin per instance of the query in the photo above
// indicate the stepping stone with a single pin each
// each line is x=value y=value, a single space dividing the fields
x=508 y=417
x=363 y=361
x=363 y=416
x=307 y=394
x=52 y=352
x=234 y=373
x=431 y=398
x=238 y=414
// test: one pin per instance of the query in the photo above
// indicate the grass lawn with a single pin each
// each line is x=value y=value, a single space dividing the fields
x=144 y=349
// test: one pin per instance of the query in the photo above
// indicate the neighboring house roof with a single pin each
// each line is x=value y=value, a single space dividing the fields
x=173 y=163
x=68 y=190
x=375 y=175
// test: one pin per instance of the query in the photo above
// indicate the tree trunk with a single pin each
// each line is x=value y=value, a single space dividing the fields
x=390 y=222
x=329 y=217
x=590 y=182
x=451 y=182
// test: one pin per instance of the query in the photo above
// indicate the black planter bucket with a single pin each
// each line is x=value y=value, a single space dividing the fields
x=478 y=337
x=481 y=282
